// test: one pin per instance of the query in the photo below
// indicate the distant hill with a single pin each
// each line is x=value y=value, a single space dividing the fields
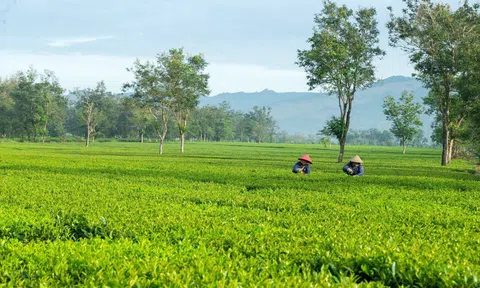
x=307 y=112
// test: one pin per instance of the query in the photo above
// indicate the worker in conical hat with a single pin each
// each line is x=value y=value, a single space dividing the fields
x=303 y=165
x=354 y=167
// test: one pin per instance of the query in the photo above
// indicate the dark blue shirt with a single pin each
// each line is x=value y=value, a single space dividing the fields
x=357 y=171
x=306 y=168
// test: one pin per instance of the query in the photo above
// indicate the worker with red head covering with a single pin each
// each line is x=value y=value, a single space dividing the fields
x=303 y=165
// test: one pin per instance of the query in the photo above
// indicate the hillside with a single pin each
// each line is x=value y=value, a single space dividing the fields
x=306 y=112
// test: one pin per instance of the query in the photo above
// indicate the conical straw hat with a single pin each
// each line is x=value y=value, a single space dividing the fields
x=306 y=158
x=356 y=159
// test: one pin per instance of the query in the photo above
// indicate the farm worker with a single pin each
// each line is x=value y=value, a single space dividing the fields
x=303 y=166
x=354 y=167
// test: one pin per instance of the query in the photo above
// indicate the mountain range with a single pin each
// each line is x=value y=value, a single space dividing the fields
x=307 y=112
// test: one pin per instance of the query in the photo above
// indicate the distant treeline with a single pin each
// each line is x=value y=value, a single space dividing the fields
x=34 y=108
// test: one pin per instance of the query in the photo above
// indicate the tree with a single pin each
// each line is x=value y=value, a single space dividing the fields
x=334 y=127
x=223 y=127
x=187 y=82
x=133 y=120
x=152 y=93
x=405 y=117
x=438 y=42
x=39 y=104
x=468 y=86
x=90 y=104
x=111 y=109
x=27 y=107
x=203 y=123
x=341 y=54
x=213 y=123
x=473 y=123
x=173 y=84
x=6 y=106
x=326 y=142
x=419 y=140
x=52 y=103
x=260 y=123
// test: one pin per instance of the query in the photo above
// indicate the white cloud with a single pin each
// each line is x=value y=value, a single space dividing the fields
x=78 y=40
x=227 y=77
x=82 y=71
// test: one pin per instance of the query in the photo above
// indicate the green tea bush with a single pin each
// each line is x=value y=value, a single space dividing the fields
x=231 y=214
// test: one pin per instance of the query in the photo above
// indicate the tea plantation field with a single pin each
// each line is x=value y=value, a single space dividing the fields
x=233 y=215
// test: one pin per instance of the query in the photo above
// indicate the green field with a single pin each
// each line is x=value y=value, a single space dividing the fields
x=233 y=215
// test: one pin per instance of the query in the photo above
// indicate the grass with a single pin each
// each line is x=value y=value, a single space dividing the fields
x=233 y=214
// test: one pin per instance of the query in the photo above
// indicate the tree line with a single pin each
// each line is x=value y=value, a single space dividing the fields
x=161 y=102
x=34 y=107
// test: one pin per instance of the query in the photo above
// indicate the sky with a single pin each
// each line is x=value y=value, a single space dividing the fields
x=250 y=45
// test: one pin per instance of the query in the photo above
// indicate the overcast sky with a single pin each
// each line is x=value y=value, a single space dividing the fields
x=251 y=45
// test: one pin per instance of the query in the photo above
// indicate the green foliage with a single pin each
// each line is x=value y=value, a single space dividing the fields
x=371 y=137
x=173 y=84
x=91 y=106
x=405 y=117
x=33 y=104
x=443 y=47
x=340 y=59
x=260 y=124
x=232 y=214
x=6 y=106
x=334 y=127
x=326 y=142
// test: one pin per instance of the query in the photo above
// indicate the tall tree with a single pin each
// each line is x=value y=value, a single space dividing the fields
x=340 y=59
x=90 y=105
x=151 y=93
x=405 y=117
x=187 y=81
x=473 y=123
x=53 y=103
x=468 y=86
x=39 y=104
x=6 y=106
x=436 y=40
x=28 y=110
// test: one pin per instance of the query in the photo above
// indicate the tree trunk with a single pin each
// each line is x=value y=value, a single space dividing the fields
x=445 y=141
x=44 y=132
x=89 y=121
x=87 y=139
x=182 y=141
x=403 y=145
x=141 y=137
x=342 y=150
x=450 y=150
x=182 y=125
x=160 y=149
x=348 y=107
